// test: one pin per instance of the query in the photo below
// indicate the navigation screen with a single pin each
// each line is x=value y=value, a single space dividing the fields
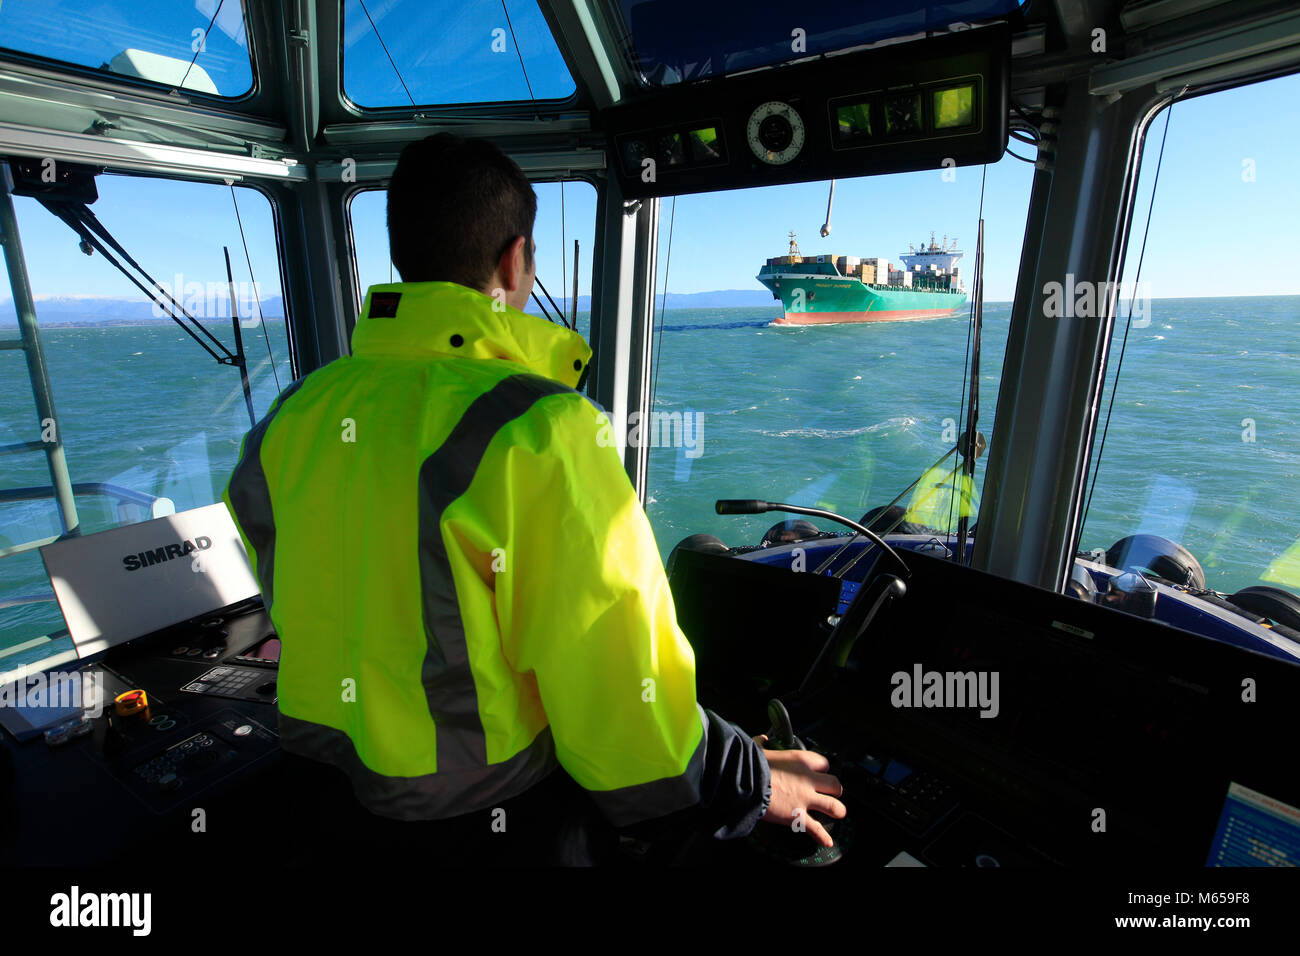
x=955 y=107
x=852 y=123
x=265 y=651
x=1255 y=830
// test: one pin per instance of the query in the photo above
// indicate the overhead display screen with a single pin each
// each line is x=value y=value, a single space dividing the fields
x=954 y=108
x=853 y=124
x=880 y=117
x=671 y=42
x=931 y=103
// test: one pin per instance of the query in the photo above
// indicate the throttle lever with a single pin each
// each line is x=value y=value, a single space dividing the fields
x=781 y=733
x=862 y=610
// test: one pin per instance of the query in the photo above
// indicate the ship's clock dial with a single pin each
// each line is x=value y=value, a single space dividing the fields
x=775 y=133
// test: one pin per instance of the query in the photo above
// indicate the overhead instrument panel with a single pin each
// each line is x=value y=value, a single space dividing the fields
x=898 y=108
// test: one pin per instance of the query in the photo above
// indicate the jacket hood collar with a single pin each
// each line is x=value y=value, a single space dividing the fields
x=443 y=318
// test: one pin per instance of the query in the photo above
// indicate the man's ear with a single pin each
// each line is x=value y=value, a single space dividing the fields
x=511 y=265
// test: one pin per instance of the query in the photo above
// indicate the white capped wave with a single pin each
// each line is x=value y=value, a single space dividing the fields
x=889 y=424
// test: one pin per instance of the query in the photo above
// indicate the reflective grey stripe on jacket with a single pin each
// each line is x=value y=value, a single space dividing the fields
x=725 y=788
x=726 y=780
x=464 y=780
x=250 y=496
x=444 y=477
x=432 y=796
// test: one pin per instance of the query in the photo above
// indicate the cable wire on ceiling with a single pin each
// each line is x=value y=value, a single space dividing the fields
x=386 y=53
x=564 y=275
x=203 y=45
x=518 y=53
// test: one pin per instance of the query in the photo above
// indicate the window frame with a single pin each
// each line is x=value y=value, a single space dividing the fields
x=357 y=111
x=135 y=83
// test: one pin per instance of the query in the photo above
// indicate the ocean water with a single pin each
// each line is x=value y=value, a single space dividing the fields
x=1203 y=447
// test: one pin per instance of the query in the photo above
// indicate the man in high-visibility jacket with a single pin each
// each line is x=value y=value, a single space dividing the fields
x=467 y=590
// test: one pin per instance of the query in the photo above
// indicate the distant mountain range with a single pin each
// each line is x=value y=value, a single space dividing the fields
x=55 y=311
x=722 y=299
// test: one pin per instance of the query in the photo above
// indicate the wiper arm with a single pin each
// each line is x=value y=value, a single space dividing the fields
x=959 y=448
x=971 y=451
x=558 y=311
x=94 y=235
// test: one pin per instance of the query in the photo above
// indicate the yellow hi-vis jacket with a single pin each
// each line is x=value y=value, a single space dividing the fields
x=465 y=585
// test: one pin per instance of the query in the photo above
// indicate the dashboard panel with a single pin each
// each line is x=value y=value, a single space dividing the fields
x=924 y=105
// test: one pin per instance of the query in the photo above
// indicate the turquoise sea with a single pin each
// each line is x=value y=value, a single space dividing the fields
x=1204 y=443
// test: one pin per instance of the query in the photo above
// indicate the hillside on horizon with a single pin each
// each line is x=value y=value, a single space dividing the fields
x=62 y=311
x=54 y=311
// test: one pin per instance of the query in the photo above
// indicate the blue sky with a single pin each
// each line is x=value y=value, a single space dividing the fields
x=1214 y=232
x=93 y=34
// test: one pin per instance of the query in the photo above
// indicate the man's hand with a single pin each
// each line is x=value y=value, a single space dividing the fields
x=800 y=784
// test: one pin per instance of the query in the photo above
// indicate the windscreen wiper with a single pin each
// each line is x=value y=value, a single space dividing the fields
x=95 y=237
x=970 y=444
x=970 y=452
x=958 y=449
x=558 y=311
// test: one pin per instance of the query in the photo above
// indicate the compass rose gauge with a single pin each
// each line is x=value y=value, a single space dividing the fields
x=775 y=133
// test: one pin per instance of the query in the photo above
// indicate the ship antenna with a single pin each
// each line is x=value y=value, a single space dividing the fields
x=826 y=226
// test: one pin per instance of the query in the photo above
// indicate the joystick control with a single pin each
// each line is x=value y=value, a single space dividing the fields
x=789 y=845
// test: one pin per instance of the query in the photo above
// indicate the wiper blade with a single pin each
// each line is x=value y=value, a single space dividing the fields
x=970 y=452
x=558 y=311
x=96 y=236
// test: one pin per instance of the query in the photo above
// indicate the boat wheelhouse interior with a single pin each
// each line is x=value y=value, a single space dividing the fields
x=1024 y=564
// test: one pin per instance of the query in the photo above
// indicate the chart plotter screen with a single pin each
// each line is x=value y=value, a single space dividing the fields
x=1255 y=830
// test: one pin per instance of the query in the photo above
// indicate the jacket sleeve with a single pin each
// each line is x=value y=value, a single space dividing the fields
x=584 y=605
x=248 y=497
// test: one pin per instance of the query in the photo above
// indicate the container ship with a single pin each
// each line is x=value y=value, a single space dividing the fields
x=830 y=289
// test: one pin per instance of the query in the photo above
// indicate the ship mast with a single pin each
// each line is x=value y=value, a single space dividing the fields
x=971 y=432
x=794 y=246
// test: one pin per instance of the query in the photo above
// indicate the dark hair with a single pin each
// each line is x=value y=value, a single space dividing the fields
x=454 y=206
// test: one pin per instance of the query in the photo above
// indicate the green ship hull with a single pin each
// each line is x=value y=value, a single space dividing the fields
x=828 y=300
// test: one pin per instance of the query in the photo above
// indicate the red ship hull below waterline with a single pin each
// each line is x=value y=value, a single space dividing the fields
x=838 y=318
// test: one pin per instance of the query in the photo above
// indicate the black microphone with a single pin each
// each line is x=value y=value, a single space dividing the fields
x=742 y=506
